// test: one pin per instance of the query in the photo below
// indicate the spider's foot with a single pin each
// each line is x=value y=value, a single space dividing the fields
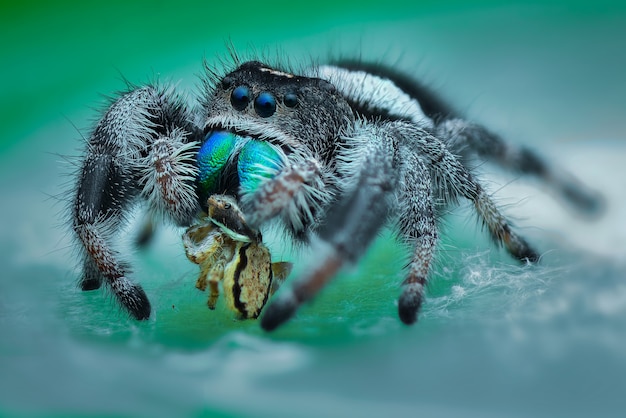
x=132 y=297
x=521 y=250
x=517 y=246
x=90 y=284
x=279 y=311
x=91 y=278
x=587 y=201
x=146 y=234
x=410 y=303
x=528 y=255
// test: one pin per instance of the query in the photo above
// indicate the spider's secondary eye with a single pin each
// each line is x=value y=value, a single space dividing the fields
x=265 y=104
x=227 y=82
x=290 y=100
x=327 y=87
x=240 y=97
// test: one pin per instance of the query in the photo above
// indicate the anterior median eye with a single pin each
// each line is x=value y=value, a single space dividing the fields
x=240 y=97
x=265 y=104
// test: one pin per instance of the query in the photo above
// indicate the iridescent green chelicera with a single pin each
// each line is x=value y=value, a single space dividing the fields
x=257 y=161
x=212 y=158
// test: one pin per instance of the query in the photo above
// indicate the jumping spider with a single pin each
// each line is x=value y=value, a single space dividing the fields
x=332 y=152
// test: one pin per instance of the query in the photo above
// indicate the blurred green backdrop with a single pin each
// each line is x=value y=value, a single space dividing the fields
x=58 y=56
x=495 y=339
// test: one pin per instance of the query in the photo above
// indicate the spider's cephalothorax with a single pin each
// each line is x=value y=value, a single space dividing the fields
x=334 y=152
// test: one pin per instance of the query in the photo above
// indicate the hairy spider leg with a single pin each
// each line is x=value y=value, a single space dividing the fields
x=102 y=195
x=351 y=226
x=168 y=177
x=418 y=228
x=466 y=138
x=279 y=194
x=138 y=149
x=455 y=180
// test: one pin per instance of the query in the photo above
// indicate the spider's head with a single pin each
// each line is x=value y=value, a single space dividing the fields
x=290 y=111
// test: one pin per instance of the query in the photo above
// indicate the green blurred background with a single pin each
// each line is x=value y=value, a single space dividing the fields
x=495 y=339
x=58 y=56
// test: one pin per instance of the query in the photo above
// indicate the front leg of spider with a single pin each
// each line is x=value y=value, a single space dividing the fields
x=349 y=228
x=142 y=149
x=277 y=194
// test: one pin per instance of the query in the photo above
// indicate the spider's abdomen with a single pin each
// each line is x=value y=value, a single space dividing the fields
x=387 y=93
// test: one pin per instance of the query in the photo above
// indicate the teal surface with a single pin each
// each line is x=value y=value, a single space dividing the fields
x=494 y=339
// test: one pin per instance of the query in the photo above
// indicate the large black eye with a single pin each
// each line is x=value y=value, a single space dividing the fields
x=265 y=104
x=240 y=97
x=290 y=99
